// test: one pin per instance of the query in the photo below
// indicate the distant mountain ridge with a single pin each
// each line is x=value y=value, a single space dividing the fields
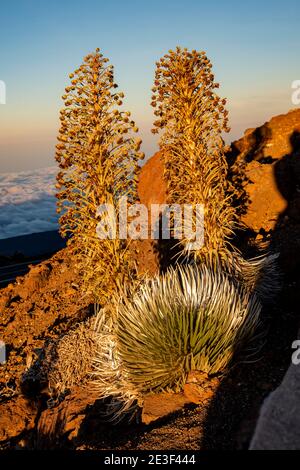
x=32 y=245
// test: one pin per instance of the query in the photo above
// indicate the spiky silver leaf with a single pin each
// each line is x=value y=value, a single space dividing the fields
x=192 y=318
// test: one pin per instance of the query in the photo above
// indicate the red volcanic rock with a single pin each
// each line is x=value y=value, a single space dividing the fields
x=16 y=416
x=152 y=188
x=275 y=138
x=266 y=203
x=199 y=387
x=157 y=406
x=65 y=419
x=271 y=159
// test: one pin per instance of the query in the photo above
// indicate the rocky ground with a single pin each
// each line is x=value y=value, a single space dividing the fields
x=46 y=303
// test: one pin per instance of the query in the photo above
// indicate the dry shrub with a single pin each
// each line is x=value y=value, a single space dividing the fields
x=68 y=361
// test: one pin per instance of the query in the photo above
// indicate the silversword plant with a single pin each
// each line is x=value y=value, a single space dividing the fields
x=192 y=118
x=98 y=157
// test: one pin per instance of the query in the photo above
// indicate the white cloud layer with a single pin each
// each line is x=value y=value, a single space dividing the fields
x=27 y=202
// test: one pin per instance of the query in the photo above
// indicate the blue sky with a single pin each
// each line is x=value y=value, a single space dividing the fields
x=254 y=47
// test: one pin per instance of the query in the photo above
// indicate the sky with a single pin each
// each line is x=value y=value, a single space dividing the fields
x=254 y=47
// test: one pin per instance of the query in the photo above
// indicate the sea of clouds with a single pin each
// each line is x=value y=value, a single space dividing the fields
x=27 y=202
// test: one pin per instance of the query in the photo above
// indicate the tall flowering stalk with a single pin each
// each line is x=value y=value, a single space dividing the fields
x=192 y=117
x=98 y=158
